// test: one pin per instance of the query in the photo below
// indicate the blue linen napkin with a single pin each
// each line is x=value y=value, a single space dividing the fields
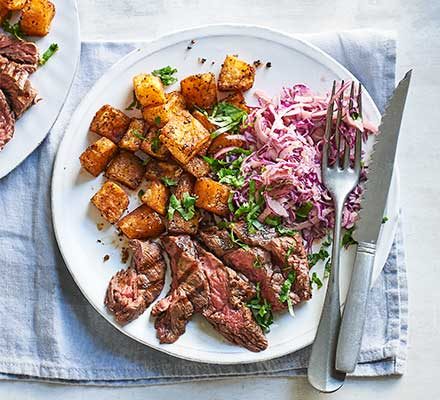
x=49 y=332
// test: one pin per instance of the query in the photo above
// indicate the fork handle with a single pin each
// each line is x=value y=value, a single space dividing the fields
x=353 y=318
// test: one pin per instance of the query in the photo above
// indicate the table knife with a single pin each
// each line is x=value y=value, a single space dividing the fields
x=380 y=171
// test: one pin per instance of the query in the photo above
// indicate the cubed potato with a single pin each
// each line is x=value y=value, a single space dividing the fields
x=110 y=123
x=12 y=5
x=197 y=167
x=149 y=90
x=237 y=100
x=236 y=75
x=111 y=200
x=156 y=196
x=96 y=157
x=160 y=115
x=36 y=17
x=160 y=169
x=126 y=168
x=203 y=119
x=132 y=139
x=177 y=224
x=212 y=196
x=184 y=136
x=199 y=90
x=153 y=146
x=142 y=223
x=225 y=140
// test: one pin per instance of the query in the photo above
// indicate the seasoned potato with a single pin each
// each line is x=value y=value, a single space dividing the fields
x=197 y=167
x=156 y=196
x=224 y=140
x=149 y=90
x=142 y=223
x=111 y=200
x=36 y=17
x=160 y=169
x=126 y=168
x=212 y=196
x=110 y=123
x=160 y=115
x=131 y=141
x=153 y=146
x=203 y=119
x=177 y=224
x=12 y=4
x=237 y=100
x=184 y=136
x=199 y=90
x=236 y=75
x=96 y=157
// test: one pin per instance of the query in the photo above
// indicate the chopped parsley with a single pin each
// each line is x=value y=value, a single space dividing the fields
x=157 y=120
x=384 y=219
x=168 y=181
x=138 y=135
x=236 y=240
x=285 y=291
x=282 y=230
x=257 y=262
x=141 y=193
x=134 y=104
x=273 y=221
x=51 y=50
x=251 y=209
x=327 y=268
x=13 y=29
x=315 y=279
x=314 y=258
x=262 y=310
x=166 y=75
x=303 y=211
x=184 y=207
x=156 y=143
x=347 y=238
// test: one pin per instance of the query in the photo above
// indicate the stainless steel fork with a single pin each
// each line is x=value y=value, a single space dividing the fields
x=339 y=179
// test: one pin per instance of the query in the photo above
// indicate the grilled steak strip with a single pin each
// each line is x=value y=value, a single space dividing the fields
x=24 y=53
x=7 y=121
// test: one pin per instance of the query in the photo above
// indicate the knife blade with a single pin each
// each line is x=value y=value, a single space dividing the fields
x=380 y=167
x=380 y=171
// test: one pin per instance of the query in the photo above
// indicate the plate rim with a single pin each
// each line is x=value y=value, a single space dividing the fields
x=77 y=51
x=148 y=47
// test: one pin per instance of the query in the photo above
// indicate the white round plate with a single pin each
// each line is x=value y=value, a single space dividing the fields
x=75 y=220
x=52 y=82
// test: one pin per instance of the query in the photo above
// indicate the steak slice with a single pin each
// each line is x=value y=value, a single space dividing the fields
x=217 y=240
x=7 y=121
x=24 y=53
x=125 y=295
x=15 y=84
x=148 y=261
x=227 y=313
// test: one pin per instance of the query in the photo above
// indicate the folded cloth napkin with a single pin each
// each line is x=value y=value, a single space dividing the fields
x=49 y=332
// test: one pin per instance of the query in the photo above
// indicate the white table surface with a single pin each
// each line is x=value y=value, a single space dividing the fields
x=418 y=25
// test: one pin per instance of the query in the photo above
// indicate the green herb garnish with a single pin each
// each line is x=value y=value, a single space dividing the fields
x=184 y=207
x=168 y=181
x=257 y=263
x=141 y=193
x=166 y=75
x=303 y=212
x=314 y=258
x=384 y=219
x=285 y=291
x=136 y=133
x=327 y=268
x=134 y=104
x=157 y=120
x=273 y=221
x=347 y=238
x=155 y=143
x=282 y=230
x=261 y=309
x=315 y=279
x=226 y=117
x=13 y=29
x=51 y=50
x=235 y=240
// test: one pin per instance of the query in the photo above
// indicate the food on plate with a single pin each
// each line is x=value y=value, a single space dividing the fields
x=36 y=17
x=111 y=200
x=7 y=121
x=12 y=5
x=232 y=193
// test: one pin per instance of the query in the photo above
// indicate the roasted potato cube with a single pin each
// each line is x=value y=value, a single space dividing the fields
x=197 y=167
x=235 y=75
x=160 y=115
x=237 y=100
x=111 y=200
x=156 y=196
x=96 y=157
x=142 y=223
x=199 y=90
x=110 y=123
x=132 y=139
x=177 y=224
x=225 y=140
x=36 y=17
x=126 y=168
x=212 y=196
x=153 y=146
x=184 y=137
x=12 y=5
x=160 y=169
x=149 y=90
x=203 y=119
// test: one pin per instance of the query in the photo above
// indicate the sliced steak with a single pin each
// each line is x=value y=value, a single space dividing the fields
x=242 y=289
x=125 y=295
x=225 y=312
x=217 y=240
x=15 y=84
x=7 y=121
x=24 y=53
x=148 y=261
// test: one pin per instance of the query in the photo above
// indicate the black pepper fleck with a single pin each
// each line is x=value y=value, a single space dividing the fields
x=202 y=60
x=268 y=64
x=257 y=63
x=106 y=258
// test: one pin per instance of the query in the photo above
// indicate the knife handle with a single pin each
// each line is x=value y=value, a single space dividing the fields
x=353 y=318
